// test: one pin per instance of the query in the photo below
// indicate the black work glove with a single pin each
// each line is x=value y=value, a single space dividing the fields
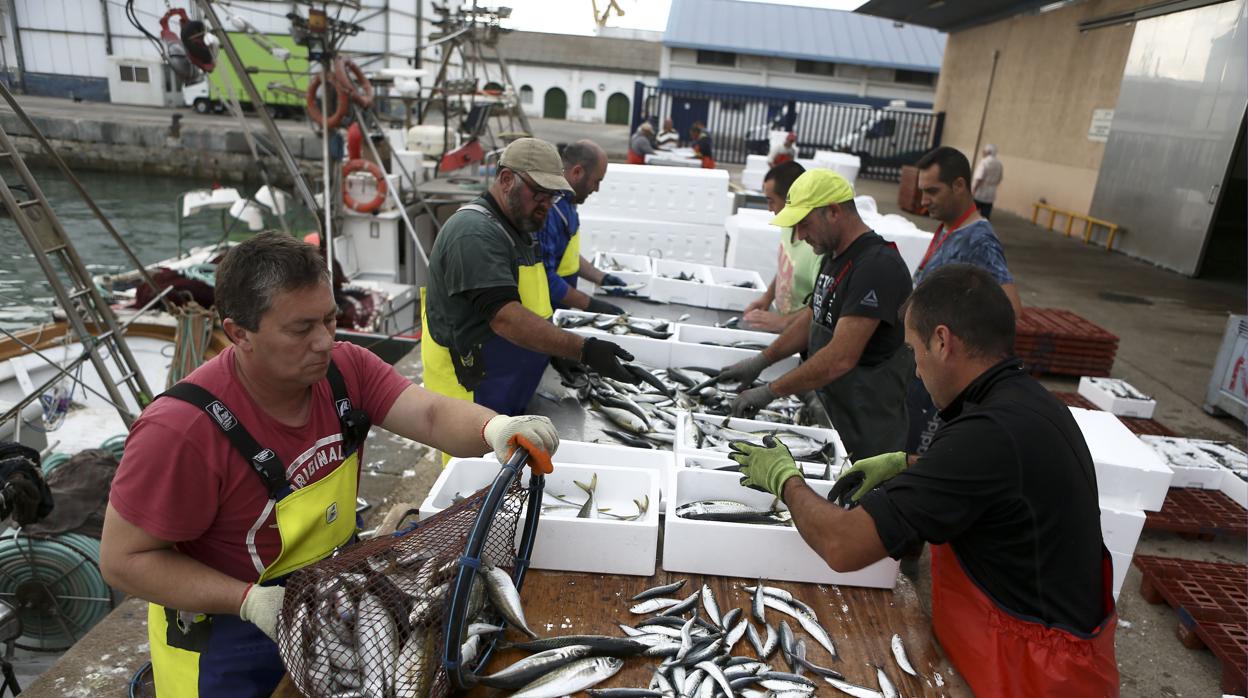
x=612 y=280
x=604 y=357
x=601 y=306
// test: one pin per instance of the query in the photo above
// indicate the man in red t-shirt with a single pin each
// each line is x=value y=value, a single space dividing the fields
x=200 y=523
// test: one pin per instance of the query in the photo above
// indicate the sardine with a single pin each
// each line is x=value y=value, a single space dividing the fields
x=709 y=603
x=680 y=608
x=572 y=678
x=717 y=674
x=734 y=635
x=886 y=686
x=503 y=594
x=377 y=640
x=534 y=666
x=651 y=605
x=598 y=644
x=853 y=689
x=899 y=654
x=808 y=621
x=757 y=604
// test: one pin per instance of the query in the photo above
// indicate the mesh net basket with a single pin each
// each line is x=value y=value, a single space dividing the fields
x=387 y=617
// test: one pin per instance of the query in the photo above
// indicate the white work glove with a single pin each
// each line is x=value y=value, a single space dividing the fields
x=261 y=606
x=532 y=433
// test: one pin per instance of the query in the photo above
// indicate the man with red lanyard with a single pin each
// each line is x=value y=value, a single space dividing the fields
x=248 y=469
x=1022 y=599
x=963 y=237
x=856 y=363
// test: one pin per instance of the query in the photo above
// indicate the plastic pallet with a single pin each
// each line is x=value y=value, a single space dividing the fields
x=1211 y=600
x=1061 y=323
x=1141 y=427
x=1198 y=512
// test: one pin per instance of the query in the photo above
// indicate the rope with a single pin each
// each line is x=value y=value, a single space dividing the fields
x=66 y=567
x=192 y=337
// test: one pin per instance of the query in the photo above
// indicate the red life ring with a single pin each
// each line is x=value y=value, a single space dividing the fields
x=314 y=112
x=378 y=175
x=360 y=89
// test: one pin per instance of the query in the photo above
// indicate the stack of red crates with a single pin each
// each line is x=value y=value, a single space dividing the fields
x=1052 y=340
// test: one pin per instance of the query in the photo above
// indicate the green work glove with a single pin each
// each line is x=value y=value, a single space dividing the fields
x=871 y=472
x=764 y=468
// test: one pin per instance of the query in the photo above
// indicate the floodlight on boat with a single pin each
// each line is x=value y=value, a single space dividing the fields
x=250 y=213
x=208 y=199
x=273 y=199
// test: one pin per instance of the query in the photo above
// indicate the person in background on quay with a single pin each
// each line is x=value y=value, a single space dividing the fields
x=668 y=138
x=1022 y=585
x=584 y=166
x=702 y=144
x=784 y=151
x=486 y=313
x=797 y=263
x=988 y=175
x=641 y=144
x=856 y=362
x=963 y=236
x=248 y=469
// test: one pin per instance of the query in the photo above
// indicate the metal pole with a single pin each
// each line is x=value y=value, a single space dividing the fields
x=17 y=47
x=979 y=135
x=420 y=23
x=328 y=228
x=283 y=152
x=108 y=33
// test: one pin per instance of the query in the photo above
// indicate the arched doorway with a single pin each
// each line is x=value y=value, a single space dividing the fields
x=617 y=109
x=555 y=104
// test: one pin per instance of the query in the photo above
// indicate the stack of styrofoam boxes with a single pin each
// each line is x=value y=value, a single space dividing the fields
x=911 y=242
x=565 y=542
x=637 y=269
x=1210 y=465
x=843 y=163
x=746 y=550
x=672 y=212
x=1117 y=396
x=753 y=243
x=755 y=170
x=1130 y=480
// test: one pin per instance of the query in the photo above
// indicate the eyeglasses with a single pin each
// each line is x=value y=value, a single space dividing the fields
x=540 y=194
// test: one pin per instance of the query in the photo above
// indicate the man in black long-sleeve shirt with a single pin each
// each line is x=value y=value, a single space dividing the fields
x=1021 y=581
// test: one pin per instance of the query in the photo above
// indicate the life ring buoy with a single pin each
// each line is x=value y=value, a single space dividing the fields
x=359 y=88
x=379 y=176
x=314 y=111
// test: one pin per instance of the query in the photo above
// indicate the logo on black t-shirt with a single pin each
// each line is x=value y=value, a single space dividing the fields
x=870 y=301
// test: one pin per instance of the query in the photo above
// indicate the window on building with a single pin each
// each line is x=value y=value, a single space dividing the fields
x=725 y=58
x=134 y=73
x=140 y=74
x=822 y=68
x=588 y=99
x=914 y=77
x=526 y=94
x=127 y=73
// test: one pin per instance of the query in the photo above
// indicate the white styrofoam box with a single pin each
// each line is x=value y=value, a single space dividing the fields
x=722 y=336
x=1122 y=563
x=637 y=268
x=690 y=242
x=662 y=462
x=668 y=194
x=684 y=446
x=753 y=243
x=706 y=356
x=1212 y=465
x=676 y=291
x=748 y=550
x=647 y=350
x=1129 y=474
x=845 y=164
x=1120 y=529
x=1117 y=396
x=755 y=170
x=564 y=542
x=865 y=205
x=724 y=292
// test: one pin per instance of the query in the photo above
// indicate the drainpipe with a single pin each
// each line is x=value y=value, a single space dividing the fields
x=108 y=34
x=983 y=116
x=20 y=76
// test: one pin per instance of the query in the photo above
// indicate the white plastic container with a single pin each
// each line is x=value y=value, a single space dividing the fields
x=702 y=243
x=726 y=294
x=747 y=550
x=660 y=461
x=711 y=357
x=1122 y=563
x=672 y=290
x=1117 y=396
x=646 y=350
x=1121 y=529
x=564 y=542
x=753 y=243
x=1212 y=465
x=1129 y=475
x=686 y=446
x=700 y=334
x=637 y=268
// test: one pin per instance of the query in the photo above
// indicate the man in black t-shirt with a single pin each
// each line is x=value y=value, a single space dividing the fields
x=856 y=362
x=1021 y=582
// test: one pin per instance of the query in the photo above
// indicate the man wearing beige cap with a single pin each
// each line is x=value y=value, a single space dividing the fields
x=854 y=342
x=486 y=312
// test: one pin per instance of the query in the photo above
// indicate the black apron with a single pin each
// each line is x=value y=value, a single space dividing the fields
x=867 y=405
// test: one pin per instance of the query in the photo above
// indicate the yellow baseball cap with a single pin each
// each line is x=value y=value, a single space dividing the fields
x=813 y=189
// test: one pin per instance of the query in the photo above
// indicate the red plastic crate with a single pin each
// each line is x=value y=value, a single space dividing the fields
x=1152 y=427
x=1195 y=511
x=1059 y=322
x=1203 y=590
x=1229 y=643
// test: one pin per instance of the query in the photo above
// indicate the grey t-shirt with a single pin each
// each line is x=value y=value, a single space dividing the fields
x=473 y=251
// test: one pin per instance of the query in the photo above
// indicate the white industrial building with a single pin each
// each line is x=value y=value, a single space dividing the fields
x=581 y=78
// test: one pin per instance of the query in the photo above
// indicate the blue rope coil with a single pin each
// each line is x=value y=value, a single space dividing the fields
x=56 y=585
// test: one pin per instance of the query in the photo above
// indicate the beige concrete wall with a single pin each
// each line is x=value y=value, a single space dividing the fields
x=1049 y=79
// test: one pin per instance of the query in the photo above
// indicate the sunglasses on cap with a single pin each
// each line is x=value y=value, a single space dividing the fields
x=540 y=194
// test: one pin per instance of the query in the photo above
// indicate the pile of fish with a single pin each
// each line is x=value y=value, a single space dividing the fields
x=644 y=415
x=653 y=328
x=681 y=276
x=715 y=435
x=731 y=511
x=1118 y=388
x=611 y=264
x=377 y=633
x=696 y=644
x=589 y=509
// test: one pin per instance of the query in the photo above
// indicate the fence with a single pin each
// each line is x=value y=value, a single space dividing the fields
x=885 y=138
